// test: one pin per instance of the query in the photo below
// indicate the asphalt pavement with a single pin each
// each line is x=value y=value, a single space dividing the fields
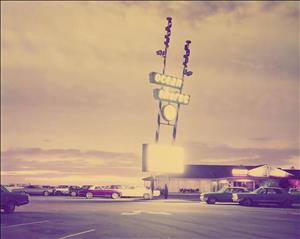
x=60 y=218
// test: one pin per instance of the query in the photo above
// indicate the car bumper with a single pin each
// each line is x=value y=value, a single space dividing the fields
x=23 y=202
x=203 y=198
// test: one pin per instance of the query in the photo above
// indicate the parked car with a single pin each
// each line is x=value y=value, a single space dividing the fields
x=14 y=187
x=136 y=191
x=102 y=191
x=294 y=190
x=74 y=190
x=9 y=200
x=49 y=188
x=34 y=190
x=62 y=190
x=271 y=195
x=223 y=195
x=83 y=190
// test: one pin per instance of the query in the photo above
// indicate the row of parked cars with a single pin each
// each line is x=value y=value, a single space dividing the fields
x=262 y=195
x=88 y=191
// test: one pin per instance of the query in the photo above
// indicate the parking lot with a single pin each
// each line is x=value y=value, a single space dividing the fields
x=67 y=217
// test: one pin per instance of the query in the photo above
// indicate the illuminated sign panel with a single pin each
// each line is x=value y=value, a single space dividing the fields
x=239 y=172
x=176 y=97
x=163 y=159
x=165 y=80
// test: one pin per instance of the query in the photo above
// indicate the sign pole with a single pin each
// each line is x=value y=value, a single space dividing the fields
x=185 y=72
x=164 y=55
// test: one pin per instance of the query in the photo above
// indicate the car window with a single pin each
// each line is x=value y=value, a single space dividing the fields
x=276 y=191
x=262 y=191
x=271 y=191
x=237 y=190
x=228 y=190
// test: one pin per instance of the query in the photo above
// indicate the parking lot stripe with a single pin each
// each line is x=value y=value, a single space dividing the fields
x=24 y=224
x=76 y=234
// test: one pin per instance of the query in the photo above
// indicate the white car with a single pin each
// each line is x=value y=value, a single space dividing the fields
x=137 y=191
x=14 y=188
x=62 y=190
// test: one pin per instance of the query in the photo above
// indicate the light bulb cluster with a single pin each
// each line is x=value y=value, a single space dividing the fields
x=167 y=38
x=186 y=58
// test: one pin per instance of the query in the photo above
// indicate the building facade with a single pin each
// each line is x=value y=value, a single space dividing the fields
x=204 y=178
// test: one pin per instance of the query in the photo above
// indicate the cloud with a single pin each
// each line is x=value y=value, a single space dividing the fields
x=65 y=153
x=37 y=161
x=29 y=173
x=263 y=139
x=219 y=154
x=76 y=73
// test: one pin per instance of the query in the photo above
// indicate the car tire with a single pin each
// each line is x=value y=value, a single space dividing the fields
x=247 y=202
x=115 y=195
x=46 y=193
x=10 y=207
x=73 y=194
x=89 y=195
x=211 y=200
x=147 y=196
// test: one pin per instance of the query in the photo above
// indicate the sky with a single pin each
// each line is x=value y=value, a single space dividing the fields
x=77 y=105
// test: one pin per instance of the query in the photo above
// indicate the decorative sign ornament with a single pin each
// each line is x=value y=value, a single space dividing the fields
x=164 y=80
x=170 y=95
x=169 y=112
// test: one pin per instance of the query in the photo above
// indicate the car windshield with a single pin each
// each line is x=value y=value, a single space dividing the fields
x=4 y=189
x=86 y=187
x=258 y=190
x=222 y=190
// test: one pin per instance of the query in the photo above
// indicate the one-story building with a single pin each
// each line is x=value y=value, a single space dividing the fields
x=203 y=178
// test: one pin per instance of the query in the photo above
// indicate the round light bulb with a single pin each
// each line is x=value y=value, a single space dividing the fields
x=169 y=112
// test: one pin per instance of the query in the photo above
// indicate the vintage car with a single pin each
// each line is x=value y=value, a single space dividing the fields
x=268 y=195
x=102 y=191
x=223 y=195
x=62 y=190
x=135 y=191
x=9 y=200
x=74 y=190
x=35 y=190
x=83 y=190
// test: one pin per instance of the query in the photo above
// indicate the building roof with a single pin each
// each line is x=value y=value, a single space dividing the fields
x=295 y=172
x=211 y=171
x=218 y=171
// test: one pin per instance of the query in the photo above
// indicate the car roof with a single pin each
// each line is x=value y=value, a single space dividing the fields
x=238 y=187
x=273 y=187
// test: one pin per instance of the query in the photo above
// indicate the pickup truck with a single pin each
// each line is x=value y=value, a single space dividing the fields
x=9 y=200
x=262 y=195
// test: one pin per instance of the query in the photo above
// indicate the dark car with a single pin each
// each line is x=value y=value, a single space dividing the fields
x=223 y=195
x=267 y=195
x=74 y=190
x=83 y=190
x=9 y=200
x=102 y=191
